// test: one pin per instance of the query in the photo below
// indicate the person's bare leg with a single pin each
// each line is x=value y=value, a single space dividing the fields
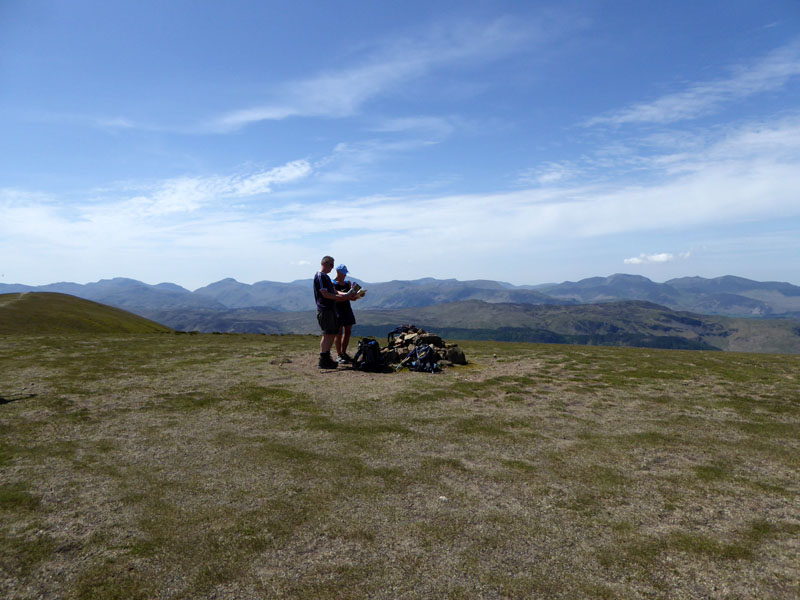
x=326 y=342
x=343 y=339
x=340 y=346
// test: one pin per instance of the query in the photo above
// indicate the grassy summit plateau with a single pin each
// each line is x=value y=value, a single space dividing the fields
x=229 y=466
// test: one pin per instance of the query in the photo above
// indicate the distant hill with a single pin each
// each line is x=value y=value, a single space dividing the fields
x=124 y=293
x=733 y=296
x=49 y=312
x=614 y=287
x=620 y=323
x=278 y=296
x=429 y=292
x=729 y=295
x=297 y=295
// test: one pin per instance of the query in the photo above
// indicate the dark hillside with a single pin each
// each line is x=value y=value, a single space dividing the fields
x=631 y=323
x=49 y=312
x=627 y=323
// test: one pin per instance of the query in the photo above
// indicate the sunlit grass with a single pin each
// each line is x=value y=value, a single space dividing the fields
x=229 y=465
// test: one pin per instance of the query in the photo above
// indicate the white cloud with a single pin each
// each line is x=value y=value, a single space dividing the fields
x=547 y=174
x=751 y=174
x=703 y=98
x=675 y=153
x=723 y=193
x=189 y=194
x=261 y=183
x=116 y=123
x=662 y=257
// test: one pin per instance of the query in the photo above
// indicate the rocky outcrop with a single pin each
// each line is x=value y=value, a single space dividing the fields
x=407 y=337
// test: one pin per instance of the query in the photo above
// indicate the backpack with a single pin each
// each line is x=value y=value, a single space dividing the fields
x=423 y=359
x=368 y=357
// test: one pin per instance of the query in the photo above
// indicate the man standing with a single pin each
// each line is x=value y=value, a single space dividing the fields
x=326 y=297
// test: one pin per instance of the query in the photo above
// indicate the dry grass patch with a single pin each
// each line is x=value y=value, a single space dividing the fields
x=176 y=466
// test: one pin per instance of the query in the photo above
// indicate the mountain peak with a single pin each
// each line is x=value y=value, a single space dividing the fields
x=228 y=282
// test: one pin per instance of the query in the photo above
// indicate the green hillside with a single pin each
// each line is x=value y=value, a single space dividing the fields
x=45 y=312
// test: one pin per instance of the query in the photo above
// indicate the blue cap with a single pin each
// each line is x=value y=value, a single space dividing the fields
x=342 y=268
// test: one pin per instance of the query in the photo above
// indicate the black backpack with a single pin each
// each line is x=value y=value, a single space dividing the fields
x=368 y=357
x=422 y=358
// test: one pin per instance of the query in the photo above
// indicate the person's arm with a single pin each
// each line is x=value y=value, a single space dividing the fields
x=337 y=296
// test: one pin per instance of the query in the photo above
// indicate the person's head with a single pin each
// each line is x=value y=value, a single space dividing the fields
x=341 y=272
x=327 y=264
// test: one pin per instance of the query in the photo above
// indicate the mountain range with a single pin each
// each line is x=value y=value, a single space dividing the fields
x=725 y=313
x=620 y=323
x=728 y=295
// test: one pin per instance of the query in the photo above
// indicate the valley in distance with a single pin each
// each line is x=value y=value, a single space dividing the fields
x=725 y=313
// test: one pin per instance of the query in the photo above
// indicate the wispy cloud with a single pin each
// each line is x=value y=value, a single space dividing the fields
x=189 y=194
x=263 y=181
x=436 y=127
x=549 y=173
x=342 y=92
x=104 y=122
x=770 y=73
x=353 y=161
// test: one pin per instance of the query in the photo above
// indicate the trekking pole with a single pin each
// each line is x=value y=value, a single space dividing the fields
x=403 y=362
x=401 y=365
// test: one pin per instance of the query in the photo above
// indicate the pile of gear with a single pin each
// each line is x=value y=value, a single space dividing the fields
x=409 y=347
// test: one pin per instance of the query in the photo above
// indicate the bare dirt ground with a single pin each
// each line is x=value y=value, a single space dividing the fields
x=228 y=466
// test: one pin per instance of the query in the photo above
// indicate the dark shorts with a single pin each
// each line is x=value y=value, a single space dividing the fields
x=345 y=314
x=328 y=322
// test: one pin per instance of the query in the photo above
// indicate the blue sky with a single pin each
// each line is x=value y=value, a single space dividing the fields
x=528 y=142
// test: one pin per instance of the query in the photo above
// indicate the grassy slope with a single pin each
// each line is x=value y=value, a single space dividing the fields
x=199 y=466
x=43 y=312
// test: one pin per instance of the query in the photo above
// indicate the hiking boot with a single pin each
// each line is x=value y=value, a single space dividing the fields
x=344 y=357
x=326 y=362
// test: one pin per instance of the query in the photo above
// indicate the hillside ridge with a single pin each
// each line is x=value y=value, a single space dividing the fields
x=52 y=312
x=727 y=295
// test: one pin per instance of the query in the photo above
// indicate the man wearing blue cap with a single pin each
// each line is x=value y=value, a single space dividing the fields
x=344 y=313
x=327 y=298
